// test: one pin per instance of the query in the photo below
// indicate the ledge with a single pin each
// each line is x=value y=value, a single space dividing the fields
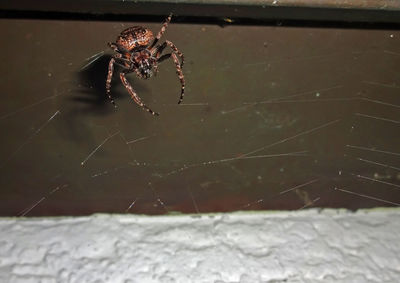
x=375 y=11
x=302 y=246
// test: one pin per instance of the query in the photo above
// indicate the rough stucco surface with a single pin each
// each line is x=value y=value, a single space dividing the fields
x=303 y=246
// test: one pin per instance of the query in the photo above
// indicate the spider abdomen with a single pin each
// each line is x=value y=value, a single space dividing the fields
x=134 y=38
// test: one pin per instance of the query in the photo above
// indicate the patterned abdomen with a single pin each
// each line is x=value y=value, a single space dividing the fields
x=134 y=38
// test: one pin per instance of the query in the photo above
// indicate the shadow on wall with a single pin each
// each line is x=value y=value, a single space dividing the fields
x=89 y=99
x=92 y=80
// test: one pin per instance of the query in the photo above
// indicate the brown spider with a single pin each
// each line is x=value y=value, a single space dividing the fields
x=137 y=52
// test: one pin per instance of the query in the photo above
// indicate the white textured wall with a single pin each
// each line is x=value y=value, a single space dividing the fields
x=302 y=246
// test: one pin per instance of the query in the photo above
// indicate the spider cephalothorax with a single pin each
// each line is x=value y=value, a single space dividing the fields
x=137 y=51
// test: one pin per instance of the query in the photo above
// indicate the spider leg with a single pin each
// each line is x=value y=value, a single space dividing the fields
x=134 y=96
x=122 y=59
x=113 y=46
x=121 y=65
x=156 y=51
x=110 y=73
x=161 y=32
x=164 y=57
x=179 y=73
x=108 y=81
x=119 y=56
x=176 y=51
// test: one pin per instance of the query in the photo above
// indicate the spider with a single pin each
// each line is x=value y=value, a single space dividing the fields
x=137 y=51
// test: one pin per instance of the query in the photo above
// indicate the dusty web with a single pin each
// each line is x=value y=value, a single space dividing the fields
x=309 y=118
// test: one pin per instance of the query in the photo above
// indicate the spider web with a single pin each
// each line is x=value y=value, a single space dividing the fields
x=273 y=118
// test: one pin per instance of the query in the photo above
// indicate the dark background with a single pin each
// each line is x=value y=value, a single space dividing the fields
x=276 y=116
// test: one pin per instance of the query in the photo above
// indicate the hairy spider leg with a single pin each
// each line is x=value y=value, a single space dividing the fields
x=120 y=56
x=113 y=46
x=113 y=61
x=159 y=49
x=176 y=51
x=156 y=52
x=180 y=75
x=178 y=65
x=134 y=96
x=164 y=57
x=108 y=81
x=161 y=32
